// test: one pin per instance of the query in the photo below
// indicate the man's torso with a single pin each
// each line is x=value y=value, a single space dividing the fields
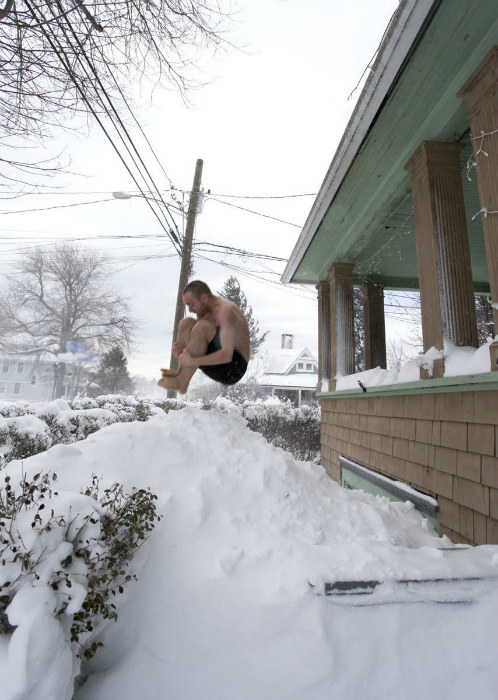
x=241 y=329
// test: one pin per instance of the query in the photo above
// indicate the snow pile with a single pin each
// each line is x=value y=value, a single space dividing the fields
x=22 y=435
x=227 y=603
x=65 y=563
x=458 y=361
x=465 y=360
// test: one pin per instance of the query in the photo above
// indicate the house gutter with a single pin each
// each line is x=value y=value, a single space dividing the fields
x=407 y=23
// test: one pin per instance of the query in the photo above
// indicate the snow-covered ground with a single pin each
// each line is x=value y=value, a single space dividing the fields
x=227 y=605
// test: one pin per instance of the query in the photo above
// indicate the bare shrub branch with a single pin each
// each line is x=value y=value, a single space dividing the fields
x=62 y=58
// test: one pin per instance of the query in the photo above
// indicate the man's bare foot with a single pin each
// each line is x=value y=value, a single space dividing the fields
x=173 y=383
x=170 y=372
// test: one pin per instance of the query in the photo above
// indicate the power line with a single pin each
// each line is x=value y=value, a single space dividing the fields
x=230 y=250
x=255 y=278
x=59 y=52
x=373 y=57
x=150 y=257
x=57 y=206
x=214 y=247
x=121 y=123
x=14 y=251
x=80 y=204
x=251 y=211
x=47 y=193
x=277 y=196
x=139 y=125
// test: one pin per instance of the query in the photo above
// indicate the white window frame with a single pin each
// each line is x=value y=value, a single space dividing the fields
x=17 y=388
x=33 y=379
x=300 y=367
x=309 y=367
x=5 y=366
x=20 y=367
x=2 y=388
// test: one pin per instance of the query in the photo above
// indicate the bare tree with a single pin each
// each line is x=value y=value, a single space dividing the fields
x=61 y=57
x=53 y=297
x=359 y=331
x=398 y=352
x=406 y=307
x=484 y=313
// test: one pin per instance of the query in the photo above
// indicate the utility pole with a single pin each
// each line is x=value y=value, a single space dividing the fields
x=186 y=259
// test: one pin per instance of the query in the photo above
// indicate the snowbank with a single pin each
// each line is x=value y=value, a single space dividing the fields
x=227 y=603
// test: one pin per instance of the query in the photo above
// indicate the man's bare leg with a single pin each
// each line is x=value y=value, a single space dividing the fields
x=201 y=334
x=183 y=336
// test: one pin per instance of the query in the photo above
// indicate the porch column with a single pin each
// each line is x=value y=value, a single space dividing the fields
x=445 y=275
x=374 y=325
x=481 y=94
x=341 y=321
x=323 y=289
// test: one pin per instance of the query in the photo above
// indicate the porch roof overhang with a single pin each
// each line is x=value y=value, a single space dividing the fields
x=363 y=211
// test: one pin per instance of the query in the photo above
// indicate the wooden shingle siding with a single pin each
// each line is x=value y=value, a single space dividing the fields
x=444 y=444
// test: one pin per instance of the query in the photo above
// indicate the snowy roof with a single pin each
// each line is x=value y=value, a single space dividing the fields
x=280 y=361
x=13 y=357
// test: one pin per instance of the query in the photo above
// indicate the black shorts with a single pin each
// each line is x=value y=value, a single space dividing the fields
x=229 y=372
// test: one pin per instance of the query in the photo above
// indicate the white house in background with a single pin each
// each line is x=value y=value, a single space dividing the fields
x=290 y=374
x=25 y=378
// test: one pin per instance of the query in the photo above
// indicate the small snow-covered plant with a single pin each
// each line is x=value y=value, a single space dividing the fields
x=18 y=511
x=170 y=404
x=125 y=525
x=296 y=430
x=143 y=411
x=83 y=402
x=76 y=546
x=72 y=428
x=22 y=443
x=12 y=410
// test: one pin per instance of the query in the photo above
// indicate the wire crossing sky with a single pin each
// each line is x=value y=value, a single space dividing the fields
x=266 y=122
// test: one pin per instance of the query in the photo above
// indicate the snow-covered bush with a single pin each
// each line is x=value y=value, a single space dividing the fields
x=23 y=436
x=10 y=410
x=68 y=554
x=169 y=404
x=296 y=430
x=71 y=426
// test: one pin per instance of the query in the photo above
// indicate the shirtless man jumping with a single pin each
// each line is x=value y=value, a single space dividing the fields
x=217 y=342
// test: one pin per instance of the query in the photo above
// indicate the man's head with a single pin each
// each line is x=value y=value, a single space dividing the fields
x=197 y=296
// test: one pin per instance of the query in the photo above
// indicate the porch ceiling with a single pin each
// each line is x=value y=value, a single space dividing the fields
x=370 y=220
x=390 y=256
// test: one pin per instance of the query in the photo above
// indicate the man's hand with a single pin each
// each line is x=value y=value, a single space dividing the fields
x=186 y=360
x=178 y=348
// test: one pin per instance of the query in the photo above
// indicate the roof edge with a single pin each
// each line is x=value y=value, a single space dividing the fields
x=401 y=34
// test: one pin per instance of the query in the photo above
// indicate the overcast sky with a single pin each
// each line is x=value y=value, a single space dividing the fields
x=266 y=123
